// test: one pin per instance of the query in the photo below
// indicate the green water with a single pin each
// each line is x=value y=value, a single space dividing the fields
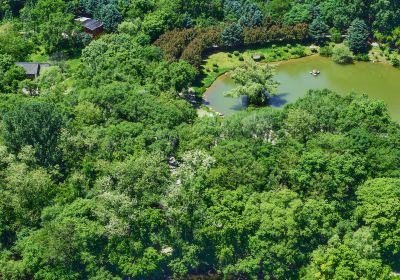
x=379 y=81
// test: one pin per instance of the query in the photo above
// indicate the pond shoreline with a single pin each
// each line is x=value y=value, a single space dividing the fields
x=378 y=80
x=204 y=94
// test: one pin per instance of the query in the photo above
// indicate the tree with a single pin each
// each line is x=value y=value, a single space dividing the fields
x=356 y=256
x=336 y=36
x=318 y=29
x=379 y=208
x=250 y=15
x=254 y=80
x=358 y=35
x=52 y=24
x=110 y=16
x=299 y=13
x=177 y=76
x=35 y=124
x=341 y=54
x=233 y=35
x=10 y=75
x=13 y=43
x=282 y=229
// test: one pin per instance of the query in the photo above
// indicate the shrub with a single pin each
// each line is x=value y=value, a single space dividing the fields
x=336 y=36
x=361 y=57
x=342 y=54
x=241 y=58
x=395 y=61
x=175 y=42
x=325 y=51
x=229 y=55
x=236 y=53
x=298 y=51
x=202 y=42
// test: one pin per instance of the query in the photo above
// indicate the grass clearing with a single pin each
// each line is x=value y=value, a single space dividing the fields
x=221 y=62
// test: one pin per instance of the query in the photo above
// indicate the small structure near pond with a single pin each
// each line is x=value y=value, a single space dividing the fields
x=314 y=48
x=32 y=69
x=244 y=101
x=315 y=72
x=257 y=57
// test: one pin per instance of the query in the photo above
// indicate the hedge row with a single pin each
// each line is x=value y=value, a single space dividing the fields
x=191 y=44
x=173 y=43
x=205 y=40
x=264 y=35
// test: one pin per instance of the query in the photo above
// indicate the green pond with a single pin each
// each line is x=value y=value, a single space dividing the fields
x=378 y=80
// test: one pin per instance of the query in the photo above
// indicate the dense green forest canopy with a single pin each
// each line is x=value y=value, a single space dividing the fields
x=107 y=172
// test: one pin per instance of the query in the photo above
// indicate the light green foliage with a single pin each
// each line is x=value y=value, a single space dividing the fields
x=282 y=229
x=379 y=207
x=256 y=81
x=299 y=13
x=52 y=24
x=13 y=43
x=129 y=27
x=335 y=34
x=50 y=80
x=355 y=256
x=106 y=172
x=342 y=54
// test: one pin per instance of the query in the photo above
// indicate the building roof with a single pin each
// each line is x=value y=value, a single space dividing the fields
x=81 y=19
x=32 y=68
x=91 y=24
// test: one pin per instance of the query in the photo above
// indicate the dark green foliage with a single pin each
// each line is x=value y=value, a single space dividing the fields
x=358 y=35
x=110 y=17
x=10 y=74
x=191 y=44
x=106 y=172
x=396 y=62
x=266 y=35
x=233 y=35
x=35 y=124
x=318 y=30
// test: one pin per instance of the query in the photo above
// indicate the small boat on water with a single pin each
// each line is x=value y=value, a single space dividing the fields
x=315 y=72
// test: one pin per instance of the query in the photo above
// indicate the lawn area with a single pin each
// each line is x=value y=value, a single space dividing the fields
x=383 y=55
x=222 y=62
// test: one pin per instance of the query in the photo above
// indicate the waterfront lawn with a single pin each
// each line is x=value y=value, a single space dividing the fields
x=384 y=55
x=269 y=54
x=222 y=62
